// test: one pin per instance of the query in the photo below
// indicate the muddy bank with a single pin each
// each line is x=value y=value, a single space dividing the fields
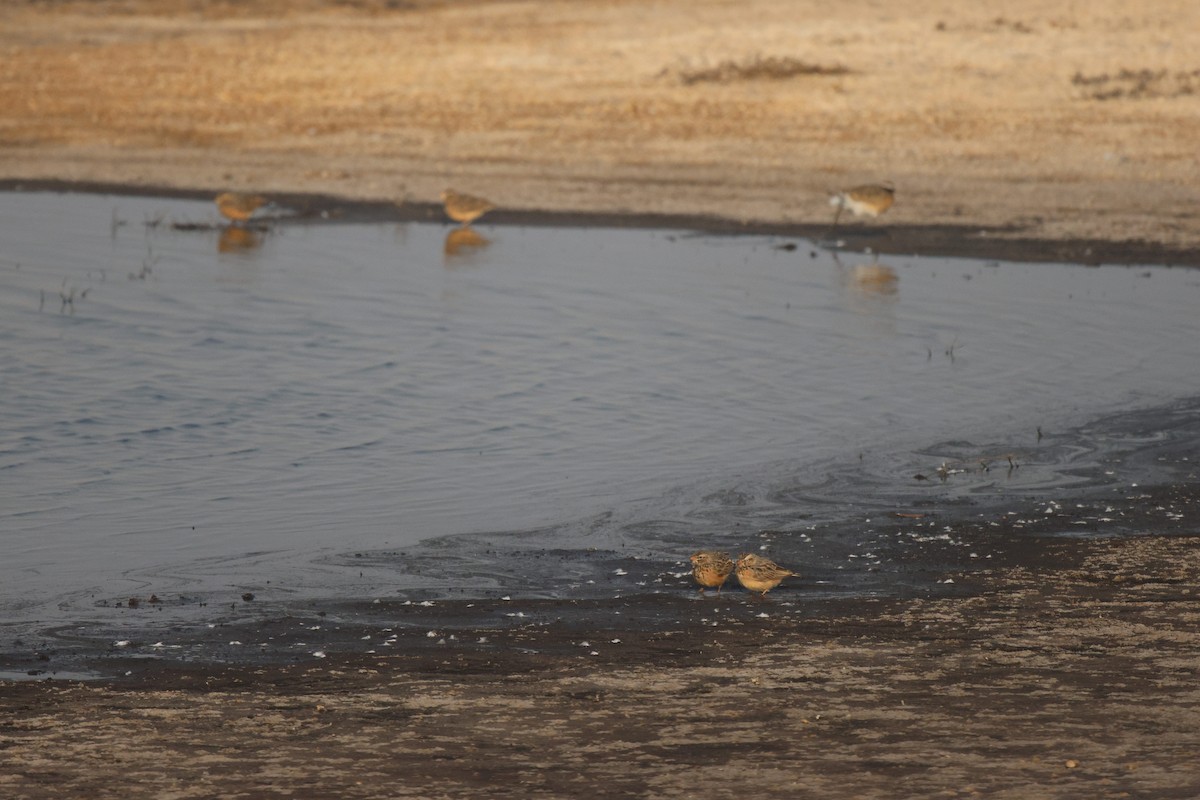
x=1060 y=665
x=1009 y=243
x=940 y=525
x=1072 y=676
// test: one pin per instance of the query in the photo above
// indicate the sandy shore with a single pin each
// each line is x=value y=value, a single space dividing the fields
x=1059 y=121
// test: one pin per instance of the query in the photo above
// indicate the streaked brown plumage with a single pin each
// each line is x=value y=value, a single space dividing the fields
x=711 y=569
x=760 y=574
x=237 y=206
x=464 y=208
x=869 y=200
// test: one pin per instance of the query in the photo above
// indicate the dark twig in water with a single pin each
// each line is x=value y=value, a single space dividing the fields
x=981 y=464
x=68 y=298
x=147 y=267
x=950 y=350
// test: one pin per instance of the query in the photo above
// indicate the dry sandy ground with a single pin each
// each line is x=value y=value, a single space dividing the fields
x=1070 y=120
x=1077 y=679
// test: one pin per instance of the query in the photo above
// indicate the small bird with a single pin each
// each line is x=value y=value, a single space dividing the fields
x=869 y=200
x=237 y=206
x=760 y=574
x=711 y=569
x=464 y=208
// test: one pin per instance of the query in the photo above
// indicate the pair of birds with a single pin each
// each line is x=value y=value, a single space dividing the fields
x=711 y=569
x=868 y=200
x=239 y=207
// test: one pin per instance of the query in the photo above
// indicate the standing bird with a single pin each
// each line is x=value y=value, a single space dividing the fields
x=711 y=569
x=239 y=207
x=464 y=208
x=870 y=200
x=760 y=574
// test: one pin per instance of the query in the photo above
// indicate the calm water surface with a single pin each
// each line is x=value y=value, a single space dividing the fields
x=205 y=407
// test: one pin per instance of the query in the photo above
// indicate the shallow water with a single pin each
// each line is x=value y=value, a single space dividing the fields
x=186 y=413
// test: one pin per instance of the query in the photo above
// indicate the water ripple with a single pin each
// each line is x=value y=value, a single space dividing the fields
x=340 y=387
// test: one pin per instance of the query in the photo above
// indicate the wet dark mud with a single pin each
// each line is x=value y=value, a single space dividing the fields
x=910 y=538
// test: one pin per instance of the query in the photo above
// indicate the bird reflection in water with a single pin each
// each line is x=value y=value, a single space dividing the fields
x=875 y=279
x=240 y=235
x=870 y=292
x=463 y=242
x=235 y=239
x=868 y=280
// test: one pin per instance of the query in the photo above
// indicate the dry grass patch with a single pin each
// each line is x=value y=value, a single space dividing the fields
x=1138 y=84
x=756 y=68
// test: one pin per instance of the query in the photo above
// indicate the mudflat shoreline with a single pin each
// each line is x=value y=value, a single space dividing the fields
x=1074 y=676
x=1062 y=665
x=1001 y=244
